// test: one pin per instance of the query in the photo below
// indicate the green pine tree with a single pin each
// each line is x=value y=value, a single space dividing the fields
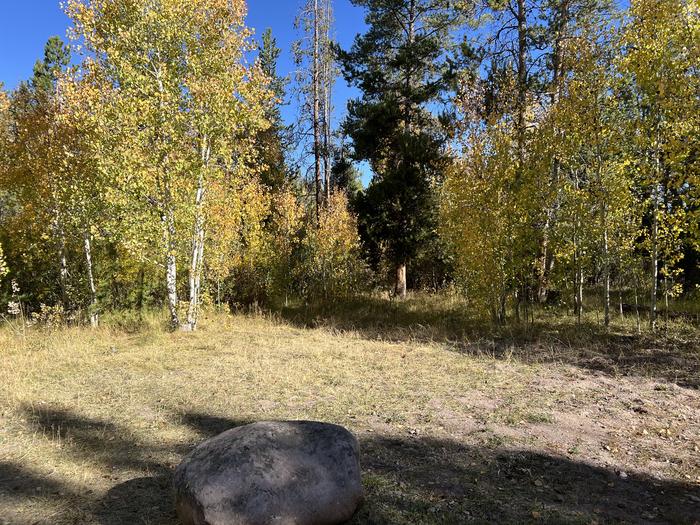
x=273 y=142
x=403 y=65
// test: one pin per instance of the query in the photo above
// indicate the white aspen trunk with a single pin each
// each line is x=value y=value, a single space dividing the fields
x=579 y=294
x=606 y=274
x=543 y=285
x=636 y=304
x=139 y=296
x=64 y=270
x=168 y=222
x=603 y=219
x=620 y=286
x=655 y=235
x=578 y=283
x=636 y=310
x=622 y=311
x=578 y=271
x=654 y=260
x=576 y=305
x=94 y=314
x=666 y=301
x=62 y=260
x=197 y=259
x=400 y=289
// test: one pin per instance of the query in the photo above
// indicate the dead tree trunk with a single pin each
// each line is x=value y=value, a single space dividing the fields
x=316 y=109
x=327 y=98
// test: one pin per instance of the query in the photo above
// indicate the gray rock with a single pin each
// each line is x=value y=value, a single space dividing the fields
x=277 y=472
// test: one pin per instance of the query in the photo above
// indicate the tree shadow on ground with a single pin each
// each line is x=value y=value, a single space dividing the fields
x=408 y=480
x=425 y=480
x=550 y=338
x=140 y=472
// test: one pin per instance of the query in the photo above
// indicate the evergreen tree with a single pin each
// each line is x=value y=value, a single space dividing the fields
x=404 y=66
x=346 y=176
x=273 y=142
x=48 y=70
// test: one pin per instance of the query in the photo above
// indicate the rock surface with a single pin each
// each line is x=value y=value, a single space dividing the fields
x=277 y=472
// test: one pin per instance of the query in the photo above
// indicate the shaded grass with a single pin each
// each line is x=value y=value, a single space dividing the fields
x=453 y=428
x=672 y=353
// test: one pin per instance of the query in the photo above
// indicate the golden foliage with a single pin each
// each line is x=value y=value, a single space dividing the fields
x=332 y=265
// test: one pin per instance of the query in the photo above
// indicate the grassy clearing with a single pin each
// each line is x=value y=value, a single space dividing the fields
x=457 y=424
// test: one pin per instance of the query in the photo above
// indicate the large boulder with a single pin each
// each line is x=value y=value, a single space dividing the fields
x=276 y=472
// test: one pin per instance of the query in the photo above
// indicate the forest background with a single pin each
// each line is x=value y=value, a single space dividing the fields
x=524 y=156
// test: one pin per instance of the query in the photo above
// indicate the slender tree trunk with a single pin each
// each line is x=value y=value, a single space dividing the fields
x=606 y=275
x=655 y=234
x=666 y=312
x=578 y=266
x=578 y=282
x=327 y=98
x=498 y=308
x=140 y=294
x=326 y=166
x=168 y=222
x=636 y=305
x=502 y=308
x=620 y=286
x=576 y=305
x=315 y=73
x=561 y=25
x=407 y=126
x=575 y=281
x=526 y=298
x=543 y=277
x=622 y=311
x=94 y=314
x=167 y=217
x=400 y=289
x=62 y=259
x=327 y=150
x=579 y=294
x=197 y=256
x=522 y=82
x=654 y=260
x=64 y=272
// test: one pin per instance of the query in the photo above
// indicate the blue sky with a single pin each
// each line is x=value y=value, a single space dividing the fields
x=26 y=25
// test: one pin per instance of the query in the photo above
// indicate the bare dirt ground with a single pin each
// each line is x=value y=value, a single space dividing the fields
x=561 y=427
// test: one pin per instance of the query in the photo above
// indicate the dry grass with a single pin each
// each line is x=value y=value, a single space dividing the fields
x=455 y=426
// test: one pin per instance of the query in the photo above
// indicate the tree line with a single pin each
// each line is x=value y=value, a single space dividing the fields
x=521 y=151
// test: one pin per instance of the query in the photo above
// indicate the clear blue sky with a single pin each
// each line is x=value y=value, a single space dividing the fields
x=27 y=24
